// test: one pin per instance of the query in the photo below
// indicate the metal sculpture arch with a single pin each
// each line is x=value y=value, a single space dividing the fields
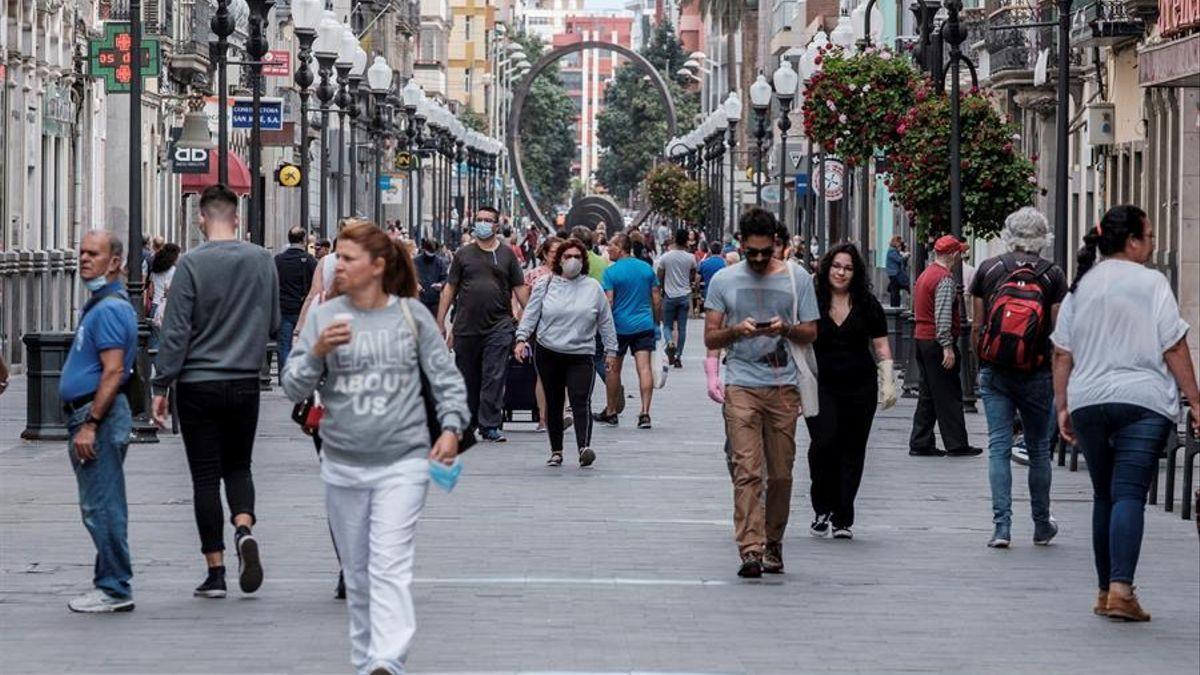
x=594 y=210
x=513 y=136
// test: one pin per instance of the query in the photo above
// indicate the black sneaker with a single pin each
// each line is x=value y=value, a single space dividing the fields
x=752 y=567
x=586 y=457
x=671 y=353
x=214 y=584
x=968 y=451
x=250 y=572
x=611 y=419
x=820 y=526
x=926 y=452
x=772 y=560
x=340 y=592
x=644 y=421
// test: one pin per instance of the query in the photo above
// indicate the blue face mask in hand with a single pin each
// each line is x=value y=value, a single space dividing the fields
x=446 y=477
x=484 y=229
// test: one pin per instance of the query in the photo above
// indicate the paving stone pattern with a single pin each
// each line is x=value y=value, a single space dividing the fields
x=625 y=567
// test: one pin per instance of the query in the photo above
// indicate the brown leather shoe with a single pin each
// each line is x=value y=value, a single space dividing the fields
x=772 y=561
x=1101 y=607
x=1126 y=608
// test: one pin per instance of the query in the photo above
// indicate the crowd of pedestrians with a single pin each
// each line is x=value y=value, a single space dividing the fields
x=397 y=353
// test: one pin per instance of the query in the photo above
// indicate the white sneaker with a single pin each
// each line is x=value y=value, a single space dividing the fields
x=97 y=601
x=842 y=533
x=663 y=370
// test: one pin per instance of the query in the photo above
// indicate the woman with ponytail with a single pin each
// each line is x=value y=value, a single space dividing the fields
x=1120 y=360
x=365 y=351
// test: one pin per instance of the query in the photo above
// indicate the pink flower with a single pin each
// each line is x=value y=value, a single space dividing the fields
x=842 y=118
x=831 y=105
x=902 y=128
x=885 y=55
x=866 y=87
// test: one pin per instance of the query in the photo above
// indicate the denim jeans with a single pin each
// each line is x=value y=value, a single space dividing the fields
x=1004 y=395
x=287 y=326
x=101 y=483
x=675 y=310
x=1122 y=444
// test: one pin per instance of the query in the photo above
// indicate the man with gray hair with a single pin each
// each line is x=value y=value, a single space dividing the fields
x=1015 y=298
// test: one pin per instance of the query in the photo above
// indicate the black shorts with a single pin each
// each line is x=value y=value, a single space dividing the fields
x=637 y=342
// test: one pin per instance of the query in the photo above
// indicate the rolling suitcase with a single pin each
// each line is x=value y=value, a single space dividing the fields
x=519 y=391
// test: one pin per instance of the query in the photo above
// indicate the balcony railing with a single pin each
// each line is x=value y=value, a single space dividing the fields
x=1014 y=50
x=1105 y=22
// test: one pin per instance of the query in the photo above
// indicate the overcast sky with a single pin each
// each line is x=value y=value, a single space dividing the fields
x=604 y=4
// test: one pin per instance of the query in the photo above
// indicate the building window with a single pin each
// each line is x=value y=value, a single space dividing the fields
x=432 y=45
x=467 y=28
x=467 y=81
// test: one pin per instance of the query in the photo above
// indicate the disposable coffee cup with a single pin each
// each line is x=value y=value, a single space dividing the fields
x=343 y=317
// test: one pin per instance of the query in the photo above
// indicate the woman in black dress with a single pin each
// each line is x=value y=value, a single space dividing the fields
x=851 y=337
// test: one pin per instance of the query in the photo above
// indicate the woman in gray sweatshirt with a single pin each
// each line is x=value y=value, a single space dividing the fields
x=364 y=352
x=565 y=311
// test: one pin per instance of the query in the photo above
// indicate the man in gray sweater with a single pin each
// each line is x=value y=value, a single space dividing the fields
x=224 y=307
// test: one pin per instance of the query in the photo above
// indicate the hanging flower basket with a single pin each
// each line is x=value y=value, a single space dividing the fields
x=996 y=180
x=854 y=103
x=672 y=194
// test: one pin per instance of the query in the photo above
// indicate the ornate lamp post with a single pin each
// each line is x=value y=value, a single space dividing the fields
x=357 y=73
x=379 y=79
x=419 y=118
x=814 y=220
x=760 y=101
x=256 y=48
x=222 y=25
x=343 y=65
x=325 y=48
x=786 y=81
x=306 y=15
x=411 y=96
x=733 y=113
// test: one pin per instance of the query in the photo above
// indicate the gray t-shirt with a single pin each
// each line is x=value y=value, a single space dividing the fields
x=1117 y=324
x=739 y=293
x=677 y=267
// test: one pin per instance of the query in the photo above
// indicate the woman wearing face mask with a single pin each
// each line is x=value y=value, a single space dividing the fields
x=365 y=351
x=1120 y=361
x=545 y=256
x=851 y=335
x=567 y=309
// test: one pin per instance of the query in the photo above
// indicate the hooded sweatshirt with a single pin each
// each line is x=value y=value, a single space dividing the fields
x=567 y=314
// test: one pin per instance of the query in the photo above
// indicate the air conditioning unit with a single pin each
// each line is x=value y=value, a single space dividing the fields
x=1101 y=124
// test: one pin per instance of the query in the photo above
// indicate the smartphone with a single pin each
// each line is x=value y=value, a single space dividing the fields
x=762 y=324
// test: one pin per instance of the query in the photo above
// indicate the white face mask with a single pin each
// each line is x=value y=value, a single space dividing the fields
x=571 y=268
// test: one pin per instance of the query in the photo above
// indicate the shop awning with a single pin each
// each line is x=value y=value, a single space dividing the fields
x=239 y=175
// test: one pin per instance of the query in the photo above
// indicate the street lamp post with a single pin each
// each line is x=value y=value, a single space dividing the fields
x=306 y=15
x=419 y=119
x=733 y=113
x=411 y=96
x=325 y=48
x=760 y=101
x=256 y=48
x=222 y=25
x=786 y=80
x=344 y=64
x=379 y=79
x=357 y=73
x=458 y=167
x=1061 y=133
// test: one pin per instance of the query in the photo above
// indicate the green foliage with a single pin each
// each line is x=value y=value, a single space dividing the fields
x=672 y=194
x=995 y=179
x=632 y=129
x=854 y=103
x=473 y=120
x=548 y=142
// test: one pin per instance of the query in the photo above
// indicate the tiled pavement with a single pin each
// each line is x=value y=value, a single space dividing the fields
x=628 y=566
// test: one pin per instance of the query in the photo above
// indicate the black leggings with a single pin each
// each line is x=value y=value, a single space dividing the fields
x=566 y=376
x=839 y=446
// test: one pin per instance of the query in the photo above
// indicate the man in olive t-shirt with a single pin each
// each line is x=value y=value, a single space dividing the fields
x=483 y=278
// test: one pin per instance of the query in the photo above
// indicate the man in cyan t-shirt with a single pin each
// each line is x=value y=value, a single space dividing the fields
x=99 y=420
x=633 y=291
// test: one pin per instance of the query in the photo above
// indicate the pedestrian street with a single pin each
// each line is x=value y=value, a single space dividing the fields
x=628 y=566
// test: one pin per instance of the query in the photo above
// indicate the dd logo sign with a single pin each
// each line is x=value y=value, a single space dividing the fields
x=190 y=160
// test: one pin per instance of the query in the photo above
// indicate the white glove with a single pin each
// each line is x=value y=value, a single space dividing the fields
x=887 y=383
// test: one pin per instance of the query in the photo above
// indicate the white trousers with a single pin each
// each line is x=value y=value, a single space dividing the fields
x=374 y=528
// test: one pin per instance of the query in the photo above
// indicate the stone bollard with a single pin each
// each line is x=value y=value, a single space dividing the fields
x=46 y=353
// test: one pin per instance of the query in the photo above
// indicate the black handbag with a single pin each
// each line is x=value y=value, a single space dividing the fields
x=431 y=417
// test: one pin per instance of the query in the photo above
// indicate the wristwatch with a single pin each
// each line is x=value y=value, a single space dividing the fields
x=93 y=420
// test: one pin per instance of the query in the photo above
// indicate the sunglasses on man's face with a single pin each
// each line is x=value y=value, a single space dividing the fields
x=760 y=252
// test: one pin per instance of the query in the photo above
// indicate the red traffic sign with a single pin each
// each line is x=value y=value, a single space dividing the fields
x=277 y=62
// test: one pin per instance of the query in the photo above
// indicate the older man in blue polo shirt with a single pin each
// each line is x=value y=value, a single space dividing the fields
x=99 y=420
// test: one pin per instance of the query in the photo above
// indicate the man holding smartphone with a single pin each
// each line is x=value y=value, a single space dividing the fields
x=754 y=308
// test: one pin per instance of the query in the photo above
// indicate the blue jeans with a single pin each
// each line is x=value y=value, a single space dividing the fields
x=102 y=502
x=1122 y=444
x=287 y=326
x=1004 y=395
x=675 y=310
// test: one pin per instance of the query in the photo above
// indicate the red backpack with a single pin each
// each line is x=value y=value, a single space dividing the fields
x=1013 y=333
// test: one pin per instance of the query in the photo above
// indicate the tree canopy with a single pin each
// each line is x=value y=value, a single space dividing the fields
x=548 y=143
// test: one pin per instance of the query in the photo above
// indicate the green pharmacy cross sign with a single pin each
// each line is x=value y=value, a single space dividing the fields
x=110 y=57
